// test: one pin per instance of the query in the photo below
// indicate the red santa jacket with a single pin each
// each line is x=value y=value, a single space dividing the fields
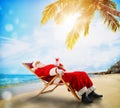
x=44 y=71
x=77 y=79
x=48 y=71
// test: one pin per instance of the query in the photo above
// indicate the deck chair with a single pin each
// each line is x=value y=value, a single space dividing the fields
x=51 y=82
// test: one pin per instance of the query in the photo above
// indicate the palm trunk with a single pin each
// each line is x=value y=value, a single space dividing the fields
x=108 y=9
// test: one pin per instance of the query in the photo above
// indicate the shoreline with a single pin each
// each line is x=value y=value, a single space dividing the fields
x=107 y=84
x=37 y=80
x=17 y=84
x=21 y=88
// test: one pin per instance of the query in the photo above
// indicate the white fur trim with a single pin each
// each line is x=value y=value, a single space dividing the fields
x=92 y=88
x=53 y=71
x=82 y=91
x=40 y=65
x=33 y=64
x=59 y=71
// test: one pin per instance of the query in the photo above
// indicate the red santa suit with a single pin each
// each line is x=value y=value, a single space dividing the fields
x=79 y=80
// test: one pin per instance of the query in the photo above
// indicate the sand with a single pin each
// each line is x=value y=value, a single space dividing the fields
x=108 y=85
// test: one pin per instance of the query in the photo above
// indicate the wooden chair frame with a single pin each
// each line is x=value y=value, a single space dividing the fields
x=51 y=82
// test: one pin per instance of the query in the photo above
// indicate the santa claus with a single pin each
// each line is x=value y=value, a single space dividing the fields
x=79 y=80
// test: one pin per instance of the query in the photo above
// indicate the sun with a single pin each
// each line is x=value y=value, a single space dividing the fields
x=68 y=24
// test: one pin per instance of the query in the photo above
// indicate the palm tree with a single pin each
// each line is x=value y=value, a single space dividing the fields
x=86 y=9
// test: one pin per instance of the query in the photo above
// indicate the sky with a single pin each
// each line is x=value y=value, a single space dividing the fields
x=24 y=39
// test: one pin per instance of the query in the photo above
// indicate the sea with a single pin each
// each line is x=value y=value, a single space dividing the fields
x=14 y=79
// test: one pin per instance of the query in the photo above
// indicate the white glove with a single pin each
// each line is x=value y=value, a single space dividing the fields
x=57 y=80
x=59 y=71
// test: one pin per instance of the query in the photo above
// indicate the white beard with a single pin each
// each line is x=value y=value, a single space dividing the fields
x=40 y=65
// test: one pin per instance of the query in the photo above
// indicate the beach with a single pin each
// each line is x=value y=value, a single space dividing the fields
x=108 y=85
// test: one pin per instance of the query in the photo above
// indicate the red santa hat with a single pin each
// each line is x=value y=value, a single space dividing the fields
x=30 y=65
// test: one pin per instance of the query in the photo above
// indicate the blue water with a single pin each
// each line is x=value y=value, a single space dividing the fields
x=11 y=79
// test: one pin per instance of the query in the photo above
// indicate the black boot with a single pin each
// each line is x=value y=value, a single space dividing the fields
x=86 y=99
x=94 y=95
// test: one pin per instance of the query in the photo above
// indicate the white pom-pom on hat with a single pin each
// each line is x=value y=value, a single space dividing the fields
x=34 y=63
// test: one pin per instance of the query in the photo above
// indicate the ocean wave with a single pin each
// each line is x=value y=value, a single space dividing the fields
x=8 y=79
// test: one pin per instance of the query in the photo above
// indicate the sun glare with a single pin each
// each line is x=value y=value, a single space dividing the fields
x=69 y=22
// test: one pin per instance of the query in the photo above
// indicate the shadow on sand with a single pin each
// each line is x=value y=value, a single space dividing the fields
x=52 y=102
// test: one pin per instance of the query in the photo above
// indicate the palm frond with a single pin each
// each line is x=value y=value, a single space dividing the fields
x=61 y=15
x=113 y=5
x=48 y=13
x=109 y=3
x=87 y=16
x=59 y=18
x=82 y=24
x=72 y=38
x=86 y=29
x=66 y=8
x=63 y=1
x=110 y=20
x=107 y=8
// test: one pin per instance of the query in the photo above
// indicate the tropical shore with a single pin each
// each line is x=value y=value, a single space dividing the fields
x=108 y=85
